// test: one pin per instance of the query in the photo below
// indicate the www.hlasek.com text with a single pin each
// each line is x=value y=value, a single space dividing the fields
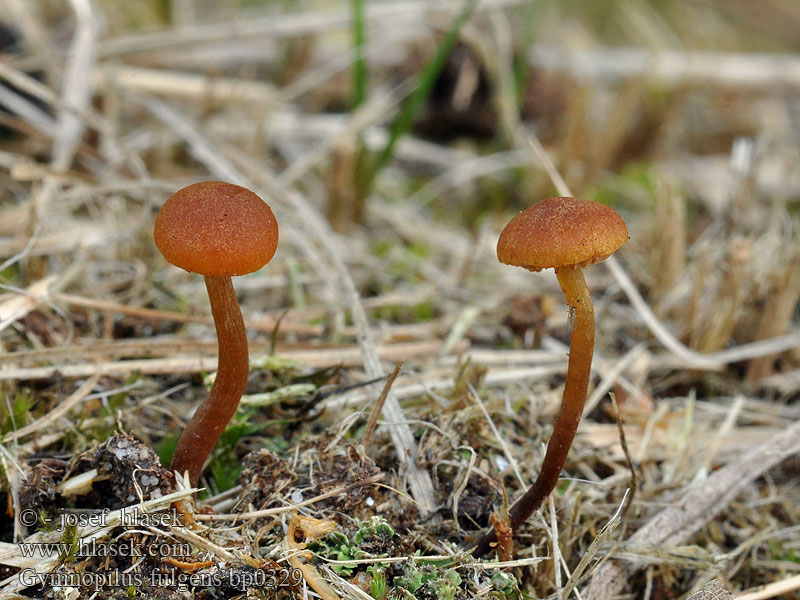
x=84 y=548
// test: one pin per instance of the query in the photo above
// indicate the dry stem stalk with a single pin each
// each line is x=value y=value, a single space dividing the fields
x=772 y=590
x=776 y=316
x=372 y=423
x=718 y=324
x=674 y=525
x=76 y=95
x=757 y=72
x=668 y=254
x=347 y=356
x=343 y=202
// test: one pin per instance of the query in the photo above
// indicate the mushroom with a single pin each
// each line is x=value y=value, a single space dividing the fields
x=566 y=234
x=218 y=230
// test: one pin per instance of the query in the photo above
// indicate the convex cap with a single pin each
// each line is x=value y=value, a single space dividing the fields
x=558 y=232
x=216 y=228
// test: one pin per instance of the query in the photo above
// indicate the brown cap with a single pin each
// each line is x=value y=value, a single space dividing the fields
x=558 y=232
x=216 y=228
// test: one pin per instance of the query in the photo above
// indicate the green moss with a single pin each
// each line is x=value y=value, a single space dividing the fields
x=403 y=313
x=166 y=448
x=428 y=581
x=778 y=552
x=379 y=588
x=225 y=464
x=505 y=587
x=369 y=535
x=69 y=544
x=19 y=414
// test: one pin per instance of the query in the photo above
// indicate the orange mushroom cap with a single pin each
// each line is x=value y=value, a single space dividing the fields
x=216 y=228
x=558 y=232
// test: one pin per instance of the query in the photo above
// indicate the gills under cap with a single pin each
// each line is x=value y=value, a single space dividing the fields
x=558 y=232
x=216 y=228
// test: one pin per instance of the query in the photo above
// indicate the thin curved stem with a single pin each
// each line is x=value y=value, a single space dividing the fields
x=581 y=349
x=209 y=420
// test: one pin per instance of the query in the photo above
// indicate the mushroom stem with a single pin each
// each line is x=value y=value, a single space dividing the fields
x=581 y=349
x=210 y=418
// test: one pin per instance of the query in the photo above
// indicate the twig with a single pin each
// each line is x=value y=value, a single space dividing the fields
x=77 y=91
x=778 y=73
x=26 y=110
x=372 y=423
x=556 y=549
x=623 y=442
x=458 y=489
x=76 y=96
x=185 y=85
x=265 y=323
x=772 y=590
x=344 y=356
x=203 y=543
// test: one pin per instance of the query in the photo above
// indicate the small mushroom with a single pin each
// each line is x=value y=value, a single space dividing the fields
x=218 y=230
x=566 y=234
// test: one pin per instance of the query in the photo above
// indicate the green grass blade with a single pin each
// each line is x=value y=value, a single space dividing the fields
x=425 y=83
x=359 y=64
x=534 y=16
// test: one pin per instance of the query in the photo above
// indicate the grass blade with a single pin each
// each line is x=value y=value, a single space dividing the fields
x=426 y=81
x=360 y=64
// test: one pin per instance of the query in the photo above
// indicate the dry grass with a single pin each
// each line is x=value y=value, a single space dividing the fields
x=682 y=115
